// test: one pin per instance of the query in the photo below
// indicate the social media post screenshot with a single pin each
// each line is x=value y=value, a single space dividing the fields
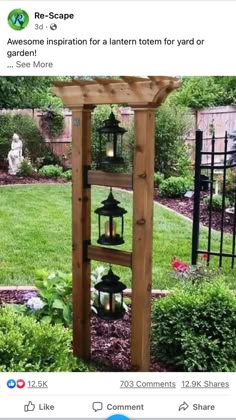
x=117 y=210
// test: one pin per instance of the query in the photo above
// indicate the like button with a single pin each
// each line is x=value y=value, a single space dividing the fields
x=29 y=407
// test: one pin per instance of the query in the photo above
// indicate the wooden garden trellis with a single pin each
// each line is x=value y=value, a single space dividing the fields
x=144 y=95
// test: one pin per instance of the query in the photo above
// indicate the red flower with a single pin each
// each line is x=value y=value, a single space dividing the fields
x=204 y=257
x=179 y=265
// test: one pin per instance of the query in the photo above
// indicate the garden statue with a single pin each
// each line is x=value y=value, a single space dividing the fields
x=15 y=157
x=232 y=158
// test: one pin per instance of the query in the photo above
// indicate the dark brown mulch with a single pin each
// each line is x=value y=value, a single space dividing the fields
x=184 y=206
x=111 y=346
x=110 y=340
x=16 y=296
x=6 y=179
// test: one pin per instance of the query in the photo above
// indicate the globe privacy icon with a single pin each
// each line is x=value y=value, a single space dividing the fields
x=18 y=19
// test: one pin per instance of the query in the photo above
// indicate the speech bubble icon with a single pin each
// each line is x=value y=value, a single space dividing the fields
x=97 y=406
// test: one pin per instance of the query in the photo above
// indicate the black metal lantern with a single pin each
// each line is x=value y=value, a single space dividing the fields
x=111 y=211
x=110 y=297
x=110 y=143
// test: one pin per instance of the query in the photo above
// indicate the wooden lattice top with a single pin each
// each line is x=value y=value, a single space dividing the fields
x=131 y=90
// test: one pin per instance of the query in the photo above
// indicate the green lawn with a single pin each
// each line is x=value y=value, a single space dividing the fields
x=35 y=233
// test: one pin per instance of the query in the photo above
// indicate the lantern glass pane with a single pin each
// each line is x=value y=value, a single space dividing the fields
x=118 y=300
x=110 y=228
x=108 y=302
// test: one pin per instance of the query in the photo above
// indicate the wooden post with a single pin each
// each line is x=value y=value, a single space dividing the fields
x=81 y=203
x=142 y=237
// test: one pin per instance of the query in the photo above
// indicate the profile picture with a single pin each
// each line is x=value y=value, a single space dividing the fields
x=18 y=19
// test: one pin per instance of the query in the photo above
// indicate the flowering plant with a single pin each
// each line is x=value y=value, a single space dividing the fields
x=54 y=301
x=35 y=303
x=193 y=273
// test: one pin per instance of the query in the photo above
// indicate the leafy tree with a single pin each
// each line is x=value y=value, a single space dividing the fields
x=205 y=91
x=228 y=84
x=197 y=92
x=171 y=152
x=27 y=92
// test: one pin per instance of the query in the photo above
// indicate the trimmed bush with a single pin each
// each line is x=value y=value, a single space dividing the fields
x=25 y=169
x=194 y=329
x=216 y=204
x=158 y=178
x=49 y=158
x=172 y=124
x=31 y=346
x=175 y=186
x=67 y=175
x=51 y=171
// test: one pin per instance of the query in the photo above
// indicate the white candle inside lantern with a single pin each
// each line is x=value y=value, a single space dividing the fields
x=106 y=303
x=110 y=149
x=107 y=229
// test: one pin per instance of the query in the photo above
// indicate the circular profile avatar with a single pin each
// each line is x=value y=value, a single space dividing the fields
x=18 y=19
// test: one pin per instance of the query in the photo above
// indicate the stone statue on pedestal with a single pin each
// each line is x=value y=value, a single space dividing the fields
x=232 y=157
x=15 y=157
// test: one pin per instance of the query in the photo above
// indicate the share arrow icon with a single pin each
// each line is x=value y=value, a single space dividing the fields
x=183 y=406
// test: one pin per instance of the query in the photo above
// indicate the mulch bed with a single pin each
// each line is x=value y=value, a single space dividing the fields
x=111 y=343
x=184 y=206
x=6 y=179
x=14 y=295
x=110 y=349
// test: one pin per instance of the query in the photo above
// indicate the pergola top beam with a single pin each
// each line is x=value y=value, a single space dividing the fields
x=141 y=91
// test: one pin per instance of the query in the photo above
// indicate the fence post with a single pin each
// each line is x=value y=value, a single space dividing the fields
x=197 y=192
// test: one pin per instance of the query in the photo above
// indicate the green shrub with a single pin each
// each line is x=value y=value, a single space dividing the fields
x=26 y=127
x=49 y=158
x=230 y=187
x=52 y=122
x=216 y=204
x=67 y=175
x=194 y=329
x=51 y=171
x=158 y=178
x=54 y=301
x=29 y=346
x=175 y=186
x=56 y=292
x=172 y=124
x=25 y=169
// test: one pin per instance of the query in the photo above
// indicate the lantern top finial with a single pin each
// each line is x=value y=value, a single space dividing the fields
x=110 y=207
x=111 y=126
x=110 y=283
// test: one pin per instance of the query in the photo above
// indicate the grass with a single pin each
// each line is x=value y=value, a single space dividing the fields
x=35 y=234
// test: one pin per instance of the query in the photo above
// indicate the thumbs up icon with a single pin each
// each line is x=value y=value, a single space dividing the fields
x=29 y=407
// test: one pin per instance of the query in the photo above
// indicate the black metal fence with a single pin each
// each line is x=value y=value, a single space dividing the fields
x=219 y=162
